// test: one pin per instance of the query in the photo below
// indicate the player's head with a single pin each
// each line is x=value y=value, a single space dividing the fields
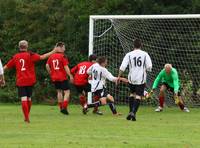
x=23 y=45
x=168 y=68
x=137 y=43
x=61 y=46
x=102 y=61
x=92 y=58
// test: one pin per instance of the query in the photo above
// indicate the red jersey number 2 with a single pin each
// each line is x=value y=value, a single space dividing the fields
x=22 y=62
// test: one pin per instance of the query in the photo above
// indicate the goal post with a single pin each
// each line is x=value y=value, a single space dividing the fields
x=171 y=39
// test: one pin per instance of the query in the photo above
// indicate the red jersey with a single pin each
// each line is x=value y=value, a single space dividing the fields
x=56 y=62
x=80 y=73
x=24 y=63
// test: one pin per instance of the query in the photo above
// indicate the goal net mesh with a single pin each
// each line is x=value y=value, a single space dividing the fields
x=175 y=41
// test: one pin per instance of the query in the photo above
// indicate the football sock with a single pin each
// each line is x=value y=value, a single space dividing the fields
x=29 y=101
x=181 y=105
x=98 y=103
x=136 y=105
x=161 y=101
x=96 y=98
x=65 y=104
x=112 y=108
x=82 y=100
x=25 y=109
x=131 y=101
x=60 y=105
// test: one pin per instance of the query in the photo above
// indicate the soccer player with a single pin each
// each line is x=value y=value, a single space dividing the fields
x=81 y=81
x=24 y=63
x=169 y=81
x=2 y=81
x=57 y=67
x=99 y=75
x=139 y=62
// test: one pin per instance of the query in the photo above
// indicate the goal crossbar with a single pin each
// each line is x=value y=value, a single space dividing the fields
x=172 y=16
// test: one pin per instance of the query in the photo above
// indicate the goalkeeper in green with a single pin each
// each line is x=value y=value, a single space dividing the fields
x=169 y=81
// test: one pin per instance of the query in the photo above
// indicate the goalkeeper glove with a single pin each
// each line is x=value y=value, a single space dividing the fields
x=148 y=94
x=176 y=98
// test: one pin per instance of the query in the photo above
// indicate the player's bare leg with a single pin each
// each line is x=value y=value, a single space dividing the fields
x=25 y=109
x=102 y=101
x=161 y=98
x=60 y=98
x=66 y=100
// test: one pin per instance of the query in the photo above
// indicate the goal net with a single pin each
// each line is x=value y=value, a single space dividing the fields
x=171 y=39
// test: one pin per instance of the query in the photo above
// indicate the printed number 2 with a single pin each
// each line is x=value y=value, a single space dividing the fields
x=22 y=64
x=82 y=69
x=55 y=64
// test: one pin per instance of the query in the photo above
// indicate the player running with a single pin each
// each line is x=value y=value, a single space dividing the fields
x=81 y=81
x=24 y=63
x=169 y=81
x=57 y=67
x=99 y=75
x=139 y=62
x=2 y=81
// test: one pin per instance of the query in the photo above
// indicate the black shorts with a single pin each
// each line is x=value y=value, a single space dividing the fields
x=86 y=88
x=25 y=91
x=62 y=85
x=171 y=89
x=137 y=89
x=100 y=93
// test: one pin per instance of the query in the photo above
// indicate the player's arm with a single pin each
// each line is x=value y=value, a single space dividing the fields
x=9 y=65
x=74 y=70
x=124 y=80
x=66 y=67
x=176 y=87
x=157 y=80
x=155 y=84
x=46 y=55
x=48 y=69
x=123 y=65
x=109 y=76
x=2 y=80
x=148 y=63
x=89 y=71
x=175 y=82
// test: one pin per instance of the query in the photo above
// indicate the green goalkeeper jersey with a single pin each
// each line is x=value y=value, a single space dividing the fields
x=171 y=79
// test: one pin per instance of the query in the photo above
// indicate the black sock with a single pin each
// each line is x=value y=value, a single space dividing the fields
x=131 y=102
x=112 y=108
x=136 y=105
x=98 y=103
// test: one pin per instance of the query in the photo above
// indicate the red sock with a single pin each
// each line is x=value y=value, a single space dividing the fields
x=60 y=105
x=25 y=109
x=161 y=101
x=96 y=98
x=82 y=100
x=65 y=104
x=181 y=105
x=29 y=104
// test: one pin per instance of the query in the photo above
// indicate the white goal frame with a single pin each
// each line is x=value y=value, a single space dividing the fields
x=94 y=17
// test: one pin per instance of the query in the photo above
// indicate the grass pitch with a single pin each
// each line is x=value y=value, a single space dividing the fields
x=51 y=129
